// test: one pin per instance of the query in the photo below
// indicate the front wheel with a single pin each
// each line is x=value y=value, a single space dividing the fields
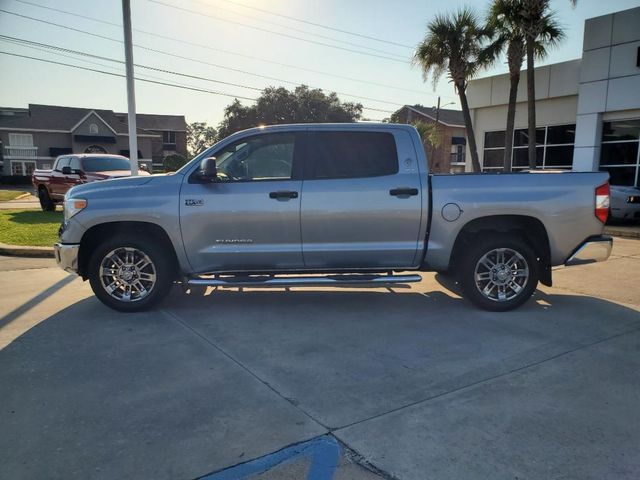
x=499 y=273
x=46 y=203
x=130 y=273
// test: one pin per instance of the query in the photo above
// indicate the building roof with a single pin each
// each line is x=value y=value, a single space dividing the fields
x=54 y=117
x=452 y=118
x=148 y=121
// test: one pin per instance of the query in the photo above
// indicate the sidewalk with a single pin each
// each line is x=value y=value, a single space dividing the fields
x=627 y=231
x=27 y=203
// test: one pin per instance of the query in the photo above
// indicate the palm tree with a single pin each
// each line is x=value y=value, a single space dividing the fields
x=506 y=24
x=453 y=45
x=534 y=14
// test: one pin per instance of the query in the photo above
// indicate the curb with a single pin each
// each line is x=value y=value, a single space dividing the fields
x=623 y=232
x=20 y=197
x=25 y=251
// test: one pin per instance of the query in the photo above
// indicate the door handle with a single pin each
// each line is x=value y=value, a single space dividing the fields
x=283 y=194
x=400 y=192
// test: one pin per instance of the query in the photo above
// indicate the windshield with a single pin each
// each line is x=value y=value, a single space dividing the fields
x=105 y=164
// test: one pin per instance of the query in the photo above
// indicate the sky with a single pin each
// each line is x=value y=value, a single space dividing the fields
x=223 y=41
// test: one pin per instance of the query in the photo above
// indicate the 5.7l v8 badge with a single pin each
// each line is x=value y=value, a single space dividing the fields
x=193 y=202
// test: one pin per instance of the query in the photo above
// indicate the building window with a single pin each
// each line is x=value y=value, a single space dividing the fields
x=169 y=137
x=93 y=128
x=554 y=148
x=95 y=149
x=620 y=153
x=21 y=140
x=457 y=154
x=22 y=168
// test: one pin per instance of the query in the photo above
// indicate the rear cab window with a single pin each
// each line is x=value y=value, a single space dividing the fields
x=345 y=154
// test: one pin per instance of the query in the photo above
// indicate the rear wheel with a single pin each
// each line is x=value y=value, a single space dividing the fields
x=130 y=273
x=499 y=273
x=46 y=203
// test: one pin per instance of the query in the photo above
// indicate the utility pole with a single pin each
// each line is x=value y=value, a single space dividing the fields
x=131 y=94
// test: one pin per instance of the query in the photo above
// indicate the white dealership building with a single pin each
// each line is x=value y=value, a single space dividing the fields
x=588 y=110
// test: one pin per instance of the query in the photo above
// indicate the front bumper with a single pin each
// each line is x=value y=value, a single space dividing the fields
x=67 y=256
x=594 y=249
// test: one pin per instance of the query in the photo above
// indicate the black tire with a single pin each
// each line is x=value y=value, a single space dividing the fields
x=46 y=203
x=162 y=267
x=508 y=276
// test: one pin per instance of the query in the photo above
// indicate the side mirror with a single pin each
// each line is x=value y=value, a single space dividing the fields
x=208 y=170
x=67 y=170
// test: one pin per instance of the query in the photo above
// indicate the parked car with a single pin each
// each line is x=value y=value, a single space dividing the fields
x=76 y=169
x=343 y=204
x=625 y=203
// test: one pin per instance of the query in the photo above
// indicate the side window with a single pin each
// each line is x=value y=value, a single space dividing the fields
x=62 y=162
x=74 y=163
x=263 y=157
x=350 y=155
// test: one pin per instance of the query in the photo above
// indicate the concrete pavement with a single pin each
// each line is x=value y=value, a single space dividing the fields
x=416 y=383
x=28 y=203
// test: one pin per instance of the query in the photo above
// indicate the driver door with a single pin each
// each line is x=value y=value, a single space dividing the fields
x=249 y=218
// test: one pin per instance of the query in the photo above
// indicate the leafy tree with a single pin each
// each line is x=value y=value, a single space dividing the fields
x=199 y=137
x=506 y=26
x=173 y=162
x=534 y=16
x=431 y=137
x=454 y=45
x=277 y=105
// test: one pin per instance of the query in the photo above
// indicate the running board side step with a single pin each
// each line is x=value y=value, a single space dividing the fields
x=340 y=280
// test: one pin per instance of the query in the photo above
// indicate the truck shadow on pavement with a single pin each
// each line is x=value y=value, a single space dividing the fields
x=210 y=381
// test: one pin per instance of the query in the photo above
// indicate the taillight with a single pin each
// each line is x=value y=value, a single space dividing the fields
x=602 y=202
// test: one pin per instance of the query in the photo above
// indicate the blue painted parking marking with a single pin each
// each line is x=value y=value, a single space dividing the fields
x=324 y=453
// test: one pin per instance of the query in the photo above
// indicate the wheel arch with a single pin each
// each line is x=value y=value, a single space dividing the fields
x=98 y=233
x=529 y=229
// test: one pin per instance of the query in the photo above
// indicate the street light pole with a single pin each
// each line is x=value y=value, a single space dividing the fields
x=131 y=94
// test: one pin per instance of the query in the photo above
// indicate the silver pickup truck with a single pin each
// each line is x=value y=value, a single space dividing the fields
x=321 y=205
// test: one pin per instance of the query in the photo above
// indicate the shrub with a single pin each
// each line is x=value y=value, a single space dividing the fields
x=15 y=180
x=173 y=162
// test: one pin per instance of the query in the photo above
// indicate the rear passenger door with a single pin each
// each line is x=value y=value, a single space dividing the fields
x=361 y=200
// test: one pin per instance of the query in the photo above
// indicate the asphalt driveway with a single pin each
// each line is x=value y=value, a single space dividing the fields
x=411 y=383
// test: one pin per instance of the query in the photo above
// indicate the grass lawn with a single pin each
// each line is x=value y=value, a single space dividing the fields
x=6 y=195
x=29 y=227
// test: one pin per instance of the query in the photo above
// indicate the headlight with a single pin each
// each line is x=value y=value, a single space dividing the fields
x=73 y=206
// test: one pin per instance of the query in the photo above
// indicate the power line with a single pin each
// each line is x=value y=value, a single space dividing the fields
x=305 y=32
x=327 y=27
x=49 y=52
x=22 y=41
x=171 y=72
x=196 y=61
x=166 y=84
x=146 y=67
x=195 y=12
x=235 y=13
x=229 y=52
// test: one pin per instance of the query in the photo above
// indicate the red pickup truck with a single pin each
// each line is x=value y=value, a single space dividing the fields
x=74 y=169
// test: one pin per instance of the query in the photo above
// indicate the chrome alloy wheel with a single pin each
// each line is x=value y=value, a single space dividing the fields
x=127 y=274
x=501 y=274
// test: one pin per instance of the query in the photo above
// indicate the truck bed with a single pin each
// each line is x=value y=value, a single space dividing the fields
x=562 y=201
